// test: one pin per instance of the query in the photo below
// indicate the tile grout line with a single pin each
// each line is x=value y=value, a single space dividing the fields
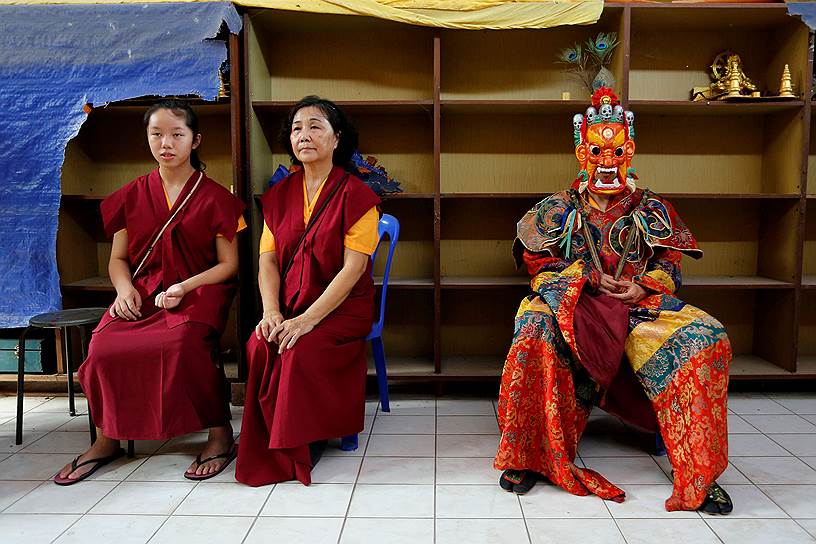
x=195 y=486
x=744 y=421
x=614 y=519
x=759 y=488
x=257 y=517
x=81 y=516
x=359 y=470
x=790 y=453
x=710 y=528
x=436 y=460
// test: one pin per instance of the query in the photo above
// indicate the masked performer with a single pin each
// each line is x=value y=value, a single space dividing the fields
x=603 y=327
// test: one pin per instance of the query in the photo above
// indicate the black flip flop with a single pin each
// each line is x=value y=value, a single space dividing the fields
x=75 y=464
x=229 y=456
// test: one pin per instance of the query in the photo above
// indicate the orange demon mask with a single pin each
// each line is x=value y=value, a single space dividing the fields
x=604 y=145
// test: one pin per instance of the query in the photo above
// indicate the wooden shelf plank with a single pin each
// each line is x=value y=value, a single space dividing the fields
x=83 y=198
x=715 y=107
x=669 y=196
x=520 y=106
x=732 y=196
x=386 y=197
x=532 y=196
x=406 y=196
x=809 y=281
x=98 y=283
x=806 y=366
x=406 y=367
x=659 y=107
x=735 y=282
x=281 y=107
x=481 y=282
x=102 y=283
x=751 y=367
x=474 y=367
x=139 y=106
x=406 y=283
x=714 y=282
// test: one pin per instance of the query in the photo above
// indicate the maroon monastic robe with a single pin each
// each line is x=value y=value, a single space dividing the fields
x=156 y=378
x=316 y=390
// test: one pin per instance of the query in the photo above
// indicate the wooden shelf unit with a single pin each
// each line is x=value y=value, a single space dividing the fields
x=473 y=125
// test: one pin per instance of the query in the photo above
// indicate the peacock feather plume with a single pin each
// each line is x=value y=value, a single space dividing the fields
x=602 y=46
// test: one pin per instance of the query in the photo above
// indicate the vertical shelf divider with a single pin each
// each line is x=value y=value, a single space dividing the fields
x=625 y=39
x=437 y=204
x=245 y=298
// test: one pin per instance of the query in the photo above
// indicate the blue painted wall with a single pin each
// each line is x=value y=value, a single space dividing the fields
x=53 y=60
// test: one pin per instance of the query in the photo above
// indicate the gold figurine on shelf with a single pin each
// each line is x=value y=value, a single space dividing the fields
x=786 y=84
x=730 y=81
x=730 y=78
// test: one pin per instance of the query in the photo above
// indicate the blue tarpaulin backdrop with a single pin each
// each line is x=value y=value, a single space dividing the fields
x=806 y=10
x=53 y=60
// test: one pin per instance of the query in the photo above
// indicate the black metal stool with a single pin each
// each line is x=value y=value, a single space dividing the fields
x=63 y=320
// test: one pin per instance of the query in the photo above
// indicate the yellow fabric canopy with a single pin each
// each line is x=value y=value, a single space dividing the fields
x=461 y=14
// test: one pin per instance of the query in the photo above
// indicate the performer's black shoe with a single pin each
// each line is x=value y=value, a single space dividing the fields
x=518 y=481
x=717 y=501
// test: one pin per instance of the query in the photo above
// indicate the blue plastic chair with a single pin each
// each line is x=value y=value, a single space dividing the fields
x=388 y=226
x=660 y=446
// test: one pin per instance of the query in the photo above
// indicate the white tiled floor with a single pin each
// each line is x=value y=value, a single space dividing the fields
x=423 y=474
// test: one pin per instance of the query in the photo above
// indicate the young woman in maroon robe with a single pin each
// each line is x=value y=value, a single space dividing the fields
x=307 y=363
x=151 y=371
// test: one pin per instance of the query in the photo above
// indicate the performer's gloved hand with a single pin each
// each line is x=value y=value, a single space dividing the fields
x=127 y=304
x=631 y=294
x=170 y=298
x=288 y=332
x=264 y=328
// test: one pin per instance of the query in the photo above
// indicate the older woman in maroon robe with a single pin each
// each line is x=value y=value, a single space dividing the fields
x=150 y=371
x=307 y=362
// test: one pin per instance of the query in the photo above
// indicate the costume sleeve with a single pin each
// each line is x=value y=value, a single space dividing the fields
x=363 y=236
x=544 y=262
x=267 y=240
x=662 y=273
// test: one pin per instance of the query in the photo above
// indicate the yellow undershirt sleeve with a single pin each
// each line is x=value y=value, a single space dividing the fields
x=363 y=236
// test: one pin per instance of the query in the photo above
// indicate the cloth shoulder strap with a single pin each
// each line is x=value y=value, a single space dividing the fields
x=312 y=223
x=158 y=235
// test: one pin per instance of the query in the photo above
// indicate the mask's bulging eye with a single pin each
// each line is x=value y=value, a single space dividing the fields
x=619 y=152
x=595 y=150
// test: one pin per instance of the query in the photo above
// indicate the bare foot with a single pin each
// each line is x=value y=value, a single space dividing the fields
x=219 y=442
x=103 y=447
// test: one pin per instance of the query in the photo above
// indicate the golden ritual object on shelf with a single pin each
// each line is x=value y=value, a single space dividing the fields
x=730 y=79
x=731 y=83
x=786 y=84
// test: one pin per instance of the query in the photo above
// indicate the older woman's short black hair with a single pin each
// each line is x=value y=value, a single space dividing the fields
x=337 y=119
